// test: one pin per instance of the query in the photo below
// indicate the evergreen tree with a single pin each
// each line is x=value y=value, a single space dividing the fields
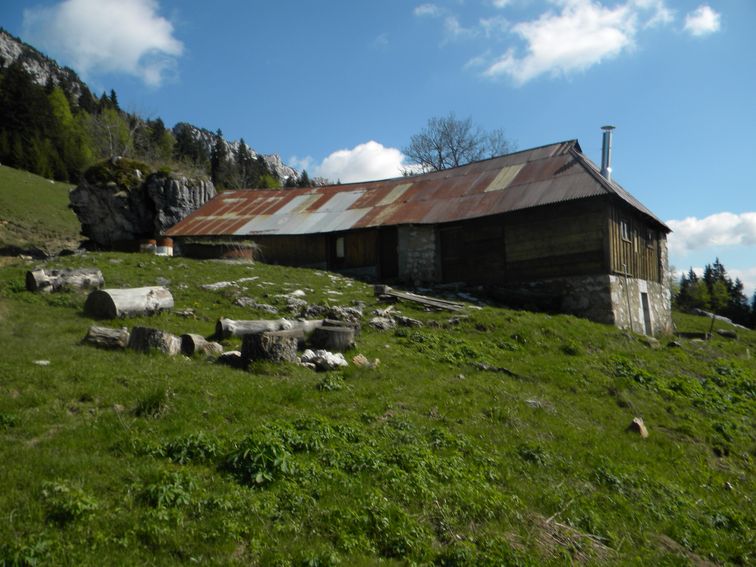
x=114 y=100
x=218 y=159
x=245 y=166
x=304 y=180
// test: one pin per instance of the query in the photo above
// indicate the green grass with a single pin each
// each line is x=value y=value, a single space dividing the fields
x=426 y=459
x=34 y=212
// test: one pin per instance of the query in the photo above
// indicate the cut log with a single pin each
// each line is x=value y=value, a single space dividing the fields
x=337 y=323
x=192 y=344
x=146 y=339
x=105 y=337
x=226 y=328
x=276 y=346
x=336 y=339
x=58 y=280
x=112 y=303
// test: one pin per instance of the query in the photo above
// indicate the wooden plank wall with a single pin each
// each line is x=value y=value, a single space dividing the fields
x=361 y=248
x=304 y=250
x=639 y=252
x=473 y=251
x=560 y=240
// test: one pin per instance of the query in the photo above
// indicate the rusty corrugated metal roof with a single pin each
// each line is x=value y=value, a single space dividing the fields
x=521 y=180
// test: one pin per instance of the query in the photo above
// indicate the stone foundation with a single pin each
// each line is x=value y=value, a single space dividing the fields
x=607 y=299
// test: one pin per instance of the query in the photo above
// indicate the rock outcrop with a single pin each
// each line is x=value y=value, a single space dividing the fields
x=117 y=202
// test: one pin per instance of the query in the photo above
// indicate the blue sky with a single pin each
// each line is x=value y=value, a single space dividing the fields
x=339 y=87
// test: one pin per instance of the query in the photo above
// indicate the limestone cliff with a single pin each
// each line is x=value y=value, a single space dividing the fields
x=118 y=201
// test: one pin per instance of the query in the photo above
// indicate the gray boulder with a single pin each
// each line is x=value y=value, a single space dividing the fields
x=117 y=203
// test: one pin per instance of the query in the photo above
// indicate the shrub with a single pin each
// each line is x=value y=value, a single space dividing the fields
x=192 y=448
x=259 y=459
x=170 y=490
x=64 y=503
x=154 y=403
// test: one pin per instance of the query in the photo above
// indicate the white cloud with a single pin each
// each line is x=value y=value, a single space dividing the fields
x=501 y=3
x=495 y=26
x=455 y=30
x=717 y=230
x=430 y=10
x=364 y=162
x=582 y=34
x=702 y=21
x=107 y=36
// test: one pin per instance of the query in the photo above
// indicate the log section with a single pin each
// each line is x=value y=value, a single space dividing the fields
x=113 y=303
x=58 y=280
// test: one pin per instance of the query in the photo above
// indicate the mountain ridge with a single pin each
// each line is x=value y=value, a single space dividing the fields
x=44 y=70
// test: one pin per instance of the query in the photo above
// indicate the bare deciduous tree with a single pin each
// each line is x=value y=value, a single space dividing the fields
x=450 y=142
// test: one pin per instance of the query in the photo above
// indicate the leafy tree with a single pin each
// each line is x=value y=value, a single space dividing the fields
x=450 y=142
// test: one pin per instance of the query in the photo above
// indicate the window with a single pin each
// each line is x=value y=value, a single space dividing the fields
x=340 y=247
x=650 y=238
x=625 y=230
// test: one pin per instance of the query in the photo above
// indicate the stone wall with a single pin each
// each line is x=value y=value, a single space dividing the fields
x=605 y=299
x=419 y=254
x=628 y=306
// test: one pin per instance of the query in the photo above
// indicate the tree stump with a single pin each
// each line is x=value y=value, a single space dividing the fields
x=192 y=344
x=58 y=280
x=276 y=346
x=105 y=337
x=146 y=339
x=113 y=303
x=335 y=339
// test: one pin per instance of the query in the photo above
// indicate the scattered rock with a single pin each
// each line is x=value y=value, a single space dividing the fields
x=407 y=321
x=727 y=333
x=638 y=427
x=187 y=313
x=250 y=303
x=162 y=281
x=300 y=306
x=348 y=314
x=652 y=343
x=218 y=285
x=674 y=344
x=118 y=408
x=41 y=362
x=323 y=359
x=382 y=323
x=362 y=361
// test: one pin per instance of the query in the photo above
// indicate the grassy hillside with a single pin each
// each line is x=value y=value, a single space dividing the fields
x=34 y=212
x=426 y=459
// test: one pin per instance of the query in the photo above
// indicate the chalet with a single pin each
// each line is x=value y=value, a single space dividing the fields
x=545 y=220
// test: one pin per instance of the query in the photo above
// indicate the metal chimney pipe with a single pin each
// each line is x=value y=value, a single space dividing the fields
x=606 y=153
